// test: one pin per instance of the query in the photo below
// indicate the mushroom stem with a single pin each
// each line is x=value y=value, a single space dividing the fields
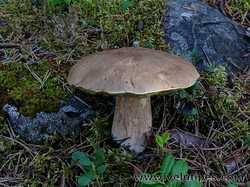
x=132 y=121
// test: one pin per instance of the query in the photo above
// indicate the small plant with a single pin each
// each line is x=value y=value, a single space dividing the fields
x=247 y=140
x=170 y=174
x=188 y=100
x=217 y=75
x=33 y=89
x=93 y=166
x=196 y=58
x=162 y=139
x=241 y=6
x=59 y=3
x=232 y=185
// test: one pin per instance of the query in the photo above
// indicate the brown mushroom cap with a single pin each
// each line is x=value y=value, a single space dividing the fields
x=136 y=71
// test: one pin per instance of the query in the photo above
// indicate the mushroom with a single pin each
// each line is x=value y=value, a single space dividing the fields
x=132 y=75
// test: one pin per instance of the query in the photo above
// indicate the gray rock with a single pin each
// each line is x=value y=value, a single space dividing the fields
x=67 y=121
x=193 y=27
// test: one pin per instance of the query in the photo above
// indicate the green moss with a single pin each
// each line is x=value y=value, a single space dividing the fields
x=241 y=6
x=123 y=22
x=26 y=91
x=216 y=76
x=120 y=24
x=238 y=10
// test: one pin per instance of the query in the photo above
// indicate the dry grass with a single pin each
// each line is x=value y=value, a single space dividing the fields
x=223 y=104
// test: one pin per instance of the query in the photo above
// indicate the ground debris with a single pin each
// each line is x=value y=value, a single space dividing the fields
x=188 y=139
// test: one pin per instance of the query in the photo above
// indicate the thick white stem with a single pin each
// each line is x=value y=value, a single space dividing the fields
x=132 y=121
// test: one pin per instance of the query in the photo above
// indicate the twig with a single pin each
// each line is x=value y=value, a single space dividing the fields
x=10 y=129
x=20 y=143
x=9 y=45
x=207 y=57
x=243 y=167
x=41 y=81
x=79 y=99
x=18 y=161
x=9 y=179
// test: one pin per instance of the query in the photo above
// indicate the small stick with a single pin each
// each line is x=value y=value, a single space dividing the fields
x=9 y=45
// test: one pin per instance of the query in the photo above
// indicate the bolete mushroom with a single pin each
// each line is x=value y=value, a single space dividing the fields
x=132 y=75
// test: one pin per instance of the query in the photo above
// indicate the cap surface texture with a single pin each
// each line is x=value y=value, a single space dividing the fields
x=136 y=71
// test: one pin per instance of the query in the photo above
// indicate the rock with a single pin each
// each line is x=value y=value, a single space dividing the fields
x=67 y=121
x=192 y=27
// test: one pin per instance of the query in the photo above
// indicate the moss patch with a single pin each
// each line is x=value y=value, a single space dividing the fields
x=238 y=10
x=26 y=91
x=70 y=31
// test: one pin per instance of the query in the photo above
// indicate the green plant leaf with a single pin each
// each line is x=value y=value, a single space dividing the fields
x=232 y=185
x=247 y=141
x=165 y=136
x=162 y=139
x=174 y=183
x=90 y=171
x=84 y=180
x=68 y=2
x=99 y=157
x=159 y=141
x=193 y=183
x=180 y=168
x=55 y=2
x=167 y=165
x=82 y=158
x=151 y=185
x=101 y=169
x=126 y=4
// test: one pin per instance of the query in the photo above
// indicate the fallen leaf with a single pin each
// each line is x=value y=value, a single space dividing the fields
x=188 y=139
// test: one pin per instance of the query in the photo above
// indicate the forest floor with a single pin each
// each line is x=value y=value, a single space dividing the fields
x=53 y=36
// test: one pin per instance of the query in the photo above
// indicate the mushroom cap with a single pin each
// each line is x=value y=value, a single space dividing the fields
x=137 y=71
